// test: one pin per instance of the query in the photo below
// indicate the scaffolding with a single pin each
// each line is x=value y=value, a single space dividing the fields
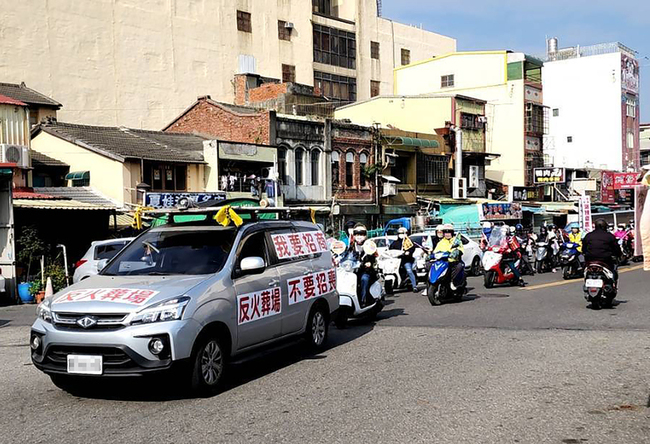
x=592 y=50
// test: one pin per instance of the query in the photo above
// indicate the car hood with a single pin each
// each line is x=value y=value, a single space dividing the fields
x=121 y=294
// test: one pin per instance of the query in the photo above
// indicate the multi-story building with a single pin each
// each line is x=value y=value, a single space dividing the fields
x=593 y=94
x=511 y=85
x=644 y=143
x=139 y=62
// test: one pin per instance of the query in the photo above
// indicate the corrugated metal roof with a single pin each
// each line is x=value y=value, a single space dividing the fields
x=24 y=94
x=9 y=101
x=49 y=204
x=80 y=194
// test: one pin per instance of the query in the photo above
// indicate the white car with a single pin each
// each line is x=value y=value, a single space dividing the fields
x=106 y=249
x=383 y=243
x=472 y=253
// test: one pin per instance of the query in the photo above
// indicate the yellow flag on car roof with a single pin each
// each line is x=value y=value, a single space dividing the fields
x=226 y=215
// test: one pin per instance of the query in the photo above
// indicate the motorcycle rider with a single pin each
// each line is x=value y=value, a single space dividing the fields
x=601 y=246
x=512 y=253
x=406 y=245
x=448 y=245
x=621 y=232
x=485 y=235
x=523 y=240
x=366 y=273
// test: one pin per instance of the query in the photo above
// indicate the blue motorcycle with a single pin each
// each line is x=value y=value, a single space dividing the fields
x=570 y=260
x=440 y=288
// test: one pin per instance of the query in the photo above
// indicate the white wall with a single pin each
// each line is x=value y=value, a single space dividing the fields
x=587 y=93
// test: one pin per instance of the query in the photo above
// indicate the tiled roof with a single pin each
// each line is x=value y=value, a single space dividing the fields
x=53 y=204
x=40 y=159
x=126 y=143
x=85 y=195
x=9 y=101
x=27 y=95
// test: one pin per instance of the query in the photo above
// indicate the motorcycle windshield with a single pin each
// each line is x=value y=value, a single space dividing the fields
x=497 y=238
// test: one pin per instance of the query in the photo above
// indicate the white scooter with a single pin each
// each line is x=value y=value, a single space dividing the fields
x=347 y=286
x=396 y=278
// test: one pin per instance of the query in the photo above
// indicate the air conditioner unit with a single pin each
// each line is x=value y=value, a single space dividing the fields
x=269 y=173
x=288 y=25
x=390 y=189
x=17 y=154
x=459 y=188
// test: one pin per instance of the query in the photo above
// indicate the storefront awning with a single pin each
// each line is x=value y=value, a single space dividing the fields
x=78 y=175
x=390 y=178
x=412 y=141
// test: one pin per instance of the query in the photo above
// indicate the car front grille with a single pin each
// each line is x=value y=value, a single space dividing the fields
x=103 y=321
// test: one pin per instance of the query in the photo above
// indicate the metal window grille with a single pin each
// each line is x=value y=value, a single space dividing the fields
x=406 y=56
x=374 y=50
x=536 y=119
x=374 y=88
x=288 y=73
x=284 y=33
x=447 y=81
x=244 y=21
x=432 y=170
x=334 y=86
x=335 y=47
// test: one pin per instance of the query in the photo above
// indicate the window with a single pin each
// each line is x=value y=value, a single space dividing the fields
x=631 y=107
x=282 y=165
x=556 y=112
x=374 y=50
x=300 y=153
x=315 y=155
x=335 y=169
x=322 y=6
x=108 y=251
x=374 y=88
x=288 y=73
x=284 y=33
x=338 y=87
x=431 y=170
x=569 y=139
x=335 y=47
x=630 y=139
x=406 y=56
x=244 y=21
x=536 y=119
x=447 y=81
x=254 y=246
x=349 y=169
x=470 y=121
x=363 y=161
x=165 y=177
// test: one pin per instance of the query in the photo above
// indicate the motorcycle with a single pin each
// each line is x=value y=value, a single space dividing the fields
x=599 y=286
x=545 y=257
x=395 y=277
x=570 y=260
x=627 y=248
x=496 y=271
x=349 y=288
x=527 y=256
x=440 y=287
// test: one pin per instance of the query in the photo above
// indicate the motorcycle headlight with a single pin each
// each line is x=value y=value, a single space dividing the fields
x=170 y=310
x=43 y=310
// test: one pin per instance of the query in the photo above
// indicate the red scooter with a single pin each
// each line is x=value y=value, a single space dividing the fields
x=496 y=271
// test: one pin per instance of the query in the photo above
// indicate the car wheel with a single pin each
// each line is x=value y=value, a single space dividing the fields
x=488 y=279
x=476 y=266
x=317 y=327
x=208 y=365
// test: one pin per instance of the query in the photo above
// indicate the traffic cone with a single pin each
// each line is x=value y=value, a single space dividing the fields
x=49 y=291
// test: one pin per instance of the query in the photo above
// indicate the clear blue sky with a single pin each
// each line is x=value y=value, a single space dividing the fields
x=522 y=25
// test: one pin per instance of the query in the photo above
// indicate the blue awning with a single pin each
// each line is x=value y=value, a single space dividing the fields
x=78 y=175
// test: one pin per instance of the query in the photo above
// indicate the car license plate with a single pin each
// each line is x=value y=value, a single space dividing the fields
x=85 y=364
x=594 y=283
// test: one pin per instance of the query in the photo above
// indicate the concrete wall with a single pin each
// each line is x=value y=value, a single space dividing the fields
x=481 y=75
x=139 y=63
x=418 y=114
x=106 y=175
x=586 y=91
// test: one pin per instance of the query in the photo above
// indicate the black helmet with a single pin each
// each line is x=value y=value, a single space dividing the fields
x=601 y=224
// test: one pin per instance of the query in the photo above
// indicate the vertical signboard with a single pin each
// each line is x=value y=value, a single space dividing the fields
x=586 y=223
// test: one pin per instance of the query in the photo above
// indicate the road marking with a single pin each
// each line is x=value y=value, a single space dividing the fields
x=571 y=281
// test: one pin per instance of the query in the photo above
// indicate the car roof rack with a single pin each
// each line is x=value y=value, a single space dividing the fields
x=254 y=213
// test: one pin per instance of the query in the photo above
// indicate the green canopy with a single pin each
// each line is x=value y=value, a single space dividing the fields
x=78 y=175
x=412 y=141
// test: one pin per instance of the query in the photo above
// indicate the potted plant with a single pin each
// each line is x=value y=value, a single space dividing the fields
x=37 y=290
x=29 y=248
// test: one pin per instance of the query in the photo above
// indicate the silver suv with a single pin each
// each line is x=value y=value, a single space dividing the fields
x=189 y=297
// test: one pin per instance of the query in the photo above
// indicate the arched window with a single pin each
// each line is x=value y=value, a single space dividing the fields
x=282 y=164
x=300 y=157
x=315 y=155
x=335 y=169
x=363 y=163
x=349 y=169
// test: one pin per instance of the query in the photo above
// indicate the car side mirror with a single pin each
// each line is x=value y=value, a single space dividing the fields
x=101 y=264
x=252 y=265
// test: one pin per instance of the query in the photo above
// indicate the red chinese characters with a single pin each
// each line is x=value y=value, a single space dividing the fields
x=312 y=285
x=258 y=305
x=133 y=296
x=299 y=244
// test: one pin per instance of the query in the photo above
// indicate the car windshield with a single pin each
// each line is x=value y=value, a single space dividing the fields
x=380 y=242
x=174 y=252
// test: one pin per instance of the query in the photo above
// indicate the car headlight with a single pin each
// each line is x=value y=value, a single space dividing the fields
x=43 y=310
x=170 y=310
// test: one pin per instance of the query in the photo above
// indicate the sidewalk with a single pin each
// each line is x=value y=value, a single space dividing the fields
x=17 y=315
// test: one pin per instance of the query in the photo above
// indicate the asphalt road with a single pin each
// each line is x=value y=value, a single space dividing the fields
x=506 y=365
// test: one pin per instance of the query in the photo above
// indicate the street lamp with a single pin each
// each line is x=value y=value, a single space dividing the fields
x=65 y=263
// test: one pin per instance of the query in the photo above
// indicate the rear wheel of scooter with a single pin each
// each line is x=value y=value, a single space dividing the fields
x=476 y=266
x=595 y=304
x=489 y=278
x=566 y=272
x=388 y=286
x=539 y=266
x=432 y=294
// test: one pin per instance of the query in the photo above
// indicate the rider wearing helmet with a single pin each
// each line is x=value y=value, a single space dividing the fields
x=407 y=247
x=366 y=273
x=576 y=237
x=512 y=253
x=448 y=244
x=601 y=246
x=621 y=232
x=485 y=235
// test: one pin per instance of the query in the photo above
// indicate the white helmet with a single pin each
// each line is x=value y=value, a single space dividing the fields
x=487 y=225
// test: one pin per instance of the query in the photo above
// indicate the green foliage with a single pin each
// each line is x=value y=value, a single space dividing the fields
x=56 y=272
x=36 y=287
x=30 y=246
x=370 y=170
